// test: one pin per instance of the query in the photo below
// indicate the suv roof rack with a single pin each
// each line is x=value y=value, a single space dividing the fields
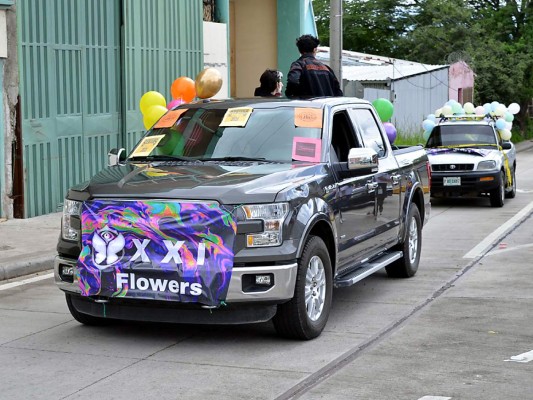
x=468 y=117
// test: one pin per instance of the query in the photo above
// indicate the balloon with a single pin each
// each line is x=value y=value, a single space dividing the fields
x=456 y=108
x=183 y=88
x=494 y=105
x=500 y=110
x=469 y=108
x=501 y=124
x=426 y=135
x=150 y=99
x=438 y=113
x=505 y=134
x=152 y=115
x=480 y=110
x=384 y=108
x=174 y=103
x=447 y=110
x=487 y=108
x=508 y=117
x=428 y=125
x=208 y=83
x=431 y=117
x=391 y=131
x=509 y=125
x=514 y=108
x=172 y=144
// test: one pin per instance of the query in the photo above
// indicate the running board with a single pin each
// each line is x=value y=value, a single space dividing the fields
x=367 y=269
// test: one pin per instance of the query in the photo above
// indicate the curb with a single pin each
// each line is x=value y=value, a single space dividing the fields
x=22 y=268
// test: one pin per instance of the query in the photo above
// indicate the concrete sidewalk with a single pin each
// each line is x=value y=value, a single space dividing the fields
x=29 y=245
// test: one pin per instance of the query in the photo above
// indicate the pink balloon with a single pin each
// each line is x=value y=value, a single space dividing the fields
x=175 y=103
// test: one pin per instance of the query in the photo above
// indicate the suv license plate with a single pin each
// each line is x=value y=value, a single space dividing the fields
x=452 y=181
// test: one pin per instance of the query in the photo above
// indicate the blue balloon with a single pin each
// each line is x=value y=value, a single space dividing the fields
x=501 y=124
x=428 y=125
x=494 y=105
x=431 y=117
x=487 y=107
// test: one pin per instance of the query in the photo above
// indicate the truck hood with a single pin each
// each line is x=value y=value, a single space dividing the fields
x=461 y=155
x=227 y=183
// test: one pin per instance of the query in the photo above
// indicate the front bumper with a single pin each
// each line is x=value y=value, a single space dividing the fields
x=282 y=289
x=472 y=183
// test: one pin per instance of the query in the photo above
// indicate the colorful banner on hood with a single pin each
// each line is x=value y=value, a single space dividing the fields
x=467 y=150
x=159 y=250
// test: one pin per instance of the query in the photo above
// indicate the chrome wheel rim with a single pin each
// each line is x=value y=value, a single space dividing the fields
x=315 y=288
x=413 y=241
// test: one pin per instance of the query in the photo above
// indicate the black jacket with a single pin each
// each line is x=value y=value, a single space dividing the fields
x=308 y=77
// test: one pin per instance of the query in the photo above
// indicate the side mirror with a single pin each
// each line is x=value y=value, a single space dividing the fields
x=363 y=160
x=507 y=145
x=116 y=156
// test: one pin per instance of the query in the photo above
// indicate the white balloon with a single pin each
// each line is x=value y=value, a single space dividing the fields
x=500 y=110
x=447 y=110
x=509 y=126
x=505 y=134
x=514 y=108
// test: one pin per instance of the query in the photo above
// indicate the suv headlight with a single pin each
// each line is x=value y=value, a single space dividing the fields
x=273 y=216
x=70 y=208
x=486 y=165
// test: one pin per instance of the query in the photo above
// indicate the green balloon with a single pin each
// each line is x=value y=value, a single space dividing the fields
x=172 y=144
x=384 y=108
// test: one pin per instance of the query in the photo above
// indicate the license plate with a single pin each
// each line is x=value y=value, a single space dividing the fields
x=452 y=181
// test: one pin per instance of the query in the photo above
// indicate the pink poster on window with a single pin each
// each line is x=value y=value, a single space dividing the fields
x=306 y=149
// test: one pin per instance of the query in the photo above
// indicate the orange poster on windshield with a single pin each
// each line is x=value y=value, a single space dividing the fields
x=169 y=119
x=308 y=117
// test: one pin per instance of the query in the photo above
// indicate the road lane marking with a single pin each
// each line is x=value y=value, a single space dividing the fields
x=12 y=285
x=434 y=398
x=522 y=358
x=501 y=231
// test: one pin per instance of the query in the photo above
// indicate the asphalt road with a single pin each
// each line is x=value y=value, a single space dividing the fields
x=444 y=334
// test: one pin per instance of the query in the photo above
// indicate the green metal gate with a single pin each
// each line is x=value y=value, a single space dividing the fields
x=76 y=66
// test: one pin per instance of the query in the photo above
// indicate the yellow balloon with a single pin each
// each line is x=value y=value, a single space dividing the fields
x=152 y=115
x=208 y=83
x=150 y=99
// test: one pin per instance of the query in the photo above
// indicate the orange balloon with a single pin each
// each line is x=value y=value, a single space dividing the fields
x=183 y=88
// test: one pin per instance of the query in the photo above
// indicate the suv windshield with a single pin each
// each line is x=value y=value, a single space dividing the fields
x=462 y=136
x=266 y=134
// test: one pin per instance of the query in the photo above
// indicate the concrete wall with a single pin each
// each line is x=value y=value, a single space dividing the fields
x=461 y=79
x=216 y=53
x=9 y=90
x=254 y=42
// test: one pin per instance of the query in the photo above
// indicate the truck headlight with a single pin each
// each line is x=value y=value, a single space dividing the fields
x=70 y=208
x=273 y=216
x=486 y=165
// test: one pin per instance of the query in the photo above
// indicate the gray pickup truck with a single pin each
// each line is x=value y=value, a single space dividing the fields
x=243 y=211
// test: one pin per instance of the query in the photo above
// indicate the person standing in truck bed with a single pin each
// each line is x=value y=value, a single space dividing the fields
x=309 y=77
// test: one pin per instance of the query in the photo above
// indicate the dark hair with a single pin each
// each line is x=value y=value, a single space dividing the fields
x=307 y=43
x=269 y=79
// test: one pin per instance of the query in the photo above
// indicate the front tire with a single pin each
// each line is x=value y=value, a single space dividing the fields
x=305 y=315
x=407 y=265
x=497 y=196
x=512 y=193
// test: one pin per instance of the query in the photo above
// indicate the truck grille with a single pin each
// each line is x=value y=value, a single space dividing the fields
x=452 y=167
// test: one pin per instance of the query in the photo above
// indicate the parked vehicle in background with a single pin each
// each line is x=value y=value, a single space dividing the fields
x=244 y=211
x=468 y=158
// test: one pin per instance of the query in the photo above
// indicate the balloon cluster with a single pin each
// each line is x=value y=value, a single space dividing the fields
x=385 y=109
x=153 y=104
x=504 y=115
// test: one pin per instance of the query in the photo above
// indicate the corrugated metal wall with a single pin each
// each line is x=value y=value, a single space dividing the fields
x=163 y=41
x=75 y=69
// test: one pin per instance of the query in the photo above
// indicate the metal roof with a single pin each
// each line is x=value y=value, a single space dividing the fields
x=370 y=68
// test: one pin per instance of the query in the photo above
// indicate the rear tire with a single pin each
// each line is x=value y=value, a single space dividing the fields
x=407 y=265
x=85 y=319
x=305 y=315
x=512 y=193
x=497 y=196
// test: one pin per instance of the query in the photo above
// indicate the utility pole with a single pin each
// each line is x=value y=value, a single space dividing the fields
x=335 y=38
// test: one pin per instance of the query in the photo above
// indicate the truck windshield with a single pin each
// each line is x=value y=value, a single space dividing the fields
x=200 y=134
x=462 y=136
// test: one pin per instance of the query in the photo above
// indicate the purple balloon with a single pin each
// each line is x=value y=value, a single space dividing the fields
x=391 y=131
